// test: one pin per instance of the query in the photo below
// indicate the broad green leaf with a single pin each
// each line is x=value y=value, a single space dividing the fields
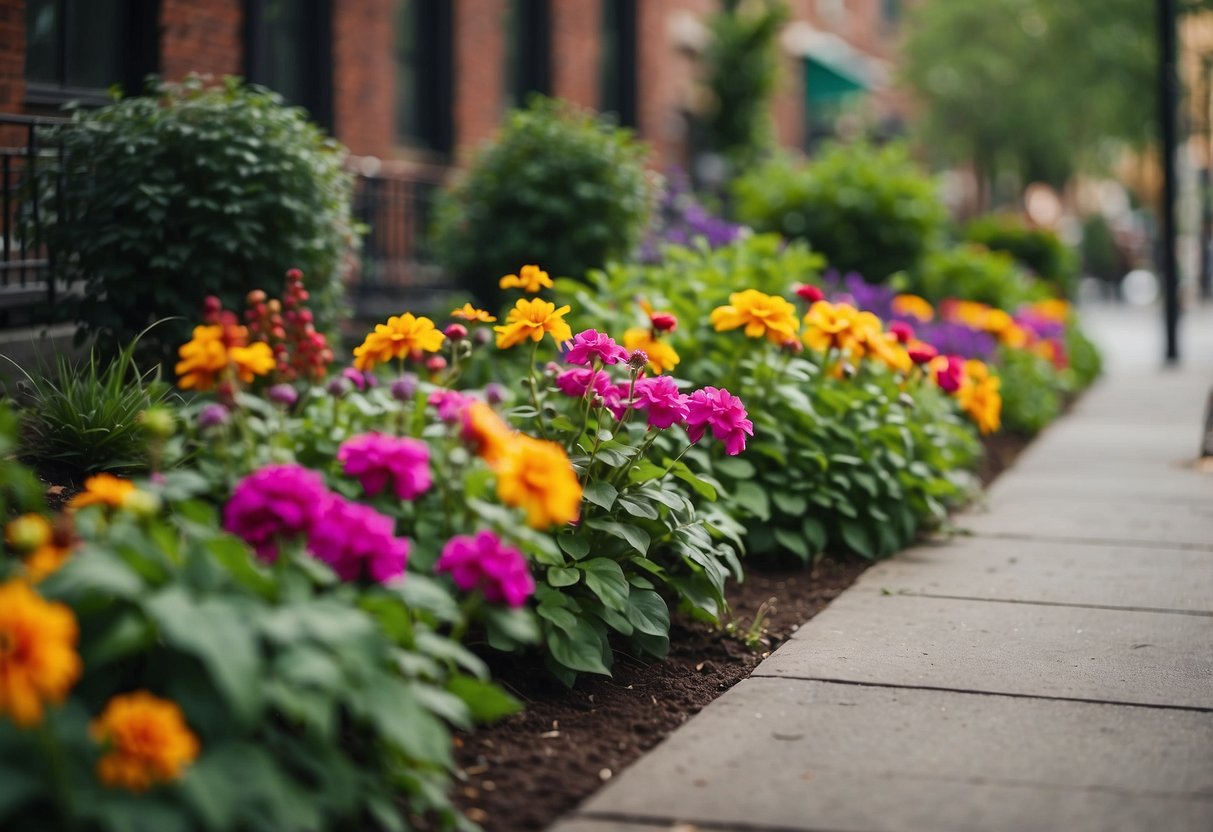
x=790 y=503
x=563 y=575
x=601 y=493
x=575 y=546
x=858 y=539
x=635 y=536
x=579 y=648
x=637 y=508
x=648 y=612
x=605 y=579
x=485 y=700
x=793 y=542
x=734 y=467
x=753 y=498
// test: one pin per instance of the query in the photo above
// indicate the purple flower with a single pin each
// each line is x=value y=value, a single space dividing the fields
x=592 y=345
x=494 y=393
x=275 y=502
x=377 y=460
x=214 y=415
x=450 y=404
x=575 y=382
x=723 y=413
x=501 y=573
x=283 y=394
x=338 y=387
x=356 y=540
x=660 y=397
x=360 y=380
x=403 y=388
x=952 y=338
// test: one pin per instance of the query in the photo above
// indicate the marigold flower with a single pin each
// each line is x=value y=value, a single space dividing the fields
x=761 y=314
x=355 y=540
x=531 y=319
x=486 y=432
x=257 y=359
x=45 y=561
x=500 y=572
x=203 y=358
x=103 y=490
x=662 y=357
x=147 y=741
x=913 y=306
x=1054 y=309
x=529 y=279
x=886 y=349
x=591 y=345
x=401 y=336
x=536 y=476
x=723 y=413
x=660 y=397
x=38 y=659
x=275 y=502
x=377 y=461
x=979 y=396
x=839 y=326
x=470 y=313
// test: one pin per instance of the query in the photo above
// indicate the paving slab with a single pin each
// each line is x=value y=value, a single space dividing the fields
x=1143 y=658
x=1033 y=571
x=1176 y=483
x=846 y=757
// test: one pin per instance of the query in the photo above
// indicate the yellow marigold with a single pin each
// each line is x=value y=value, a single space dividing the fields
x=486 y=431
x=45 y=561
x=38 y=659
x=970 y=312
x=886 y=349
x=401 y=336
x=839 y=326
x=147 y=741
x=531 y=319
x=662 y=356
x=979 y=396
x=536 y=476
x=913 y=306
x=866 y=330
x=103 y=490
x=1054 y=309
x=761 y=315
x=203 y=358
x=467 y=312
x=256 y=359
x=28 y=532
x=529 y=279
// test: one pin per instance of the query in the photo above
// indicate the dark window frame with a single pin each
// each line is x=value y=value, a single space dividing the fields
x=529 y=55
x=318 y=44
x=617 y=74
x=434 y=75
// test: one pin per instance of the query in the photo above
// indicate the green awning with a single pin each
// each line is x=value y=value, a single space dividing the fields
x=829 y=84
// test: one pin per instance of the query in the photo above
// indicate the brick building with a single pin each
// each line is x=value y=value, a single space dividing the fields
x=424 y=81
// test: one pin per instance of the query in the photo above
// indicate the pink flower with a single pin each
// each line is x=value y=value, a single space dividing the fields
x=276 y=502
x=663 y=321
x=660 y=397
x=724 y=413
x=614 y=398
x=575 y=382
x=500 y=573
x=592 y=344
x=450 y=404
x=808 y=293
x=903 y=332
x=359 y=379
x=377 y=460
x=921 y=352
x=356 y=540
x=949 y=372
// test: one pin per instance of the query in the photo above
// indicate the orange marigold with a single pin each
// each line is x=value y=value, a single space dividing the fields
x=401 y=336
x=103 y=490
x=467 y=312
x=979 y=396
x=257 y=359
x=147 y=741
x=531 y=319
x=38 y=659
x=486 y=431
x=762 y=315
x=662 y=357
x=913 y=306
x=203 y=358
x=529 y=279
x=536 y=476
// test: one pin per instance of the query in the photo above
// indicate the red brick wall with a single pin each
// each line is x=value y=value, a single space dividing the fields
x=479 y=71
x=667 y=75
x=12 y=55
x=577 y=50
x=364 y=75
x=201 y=36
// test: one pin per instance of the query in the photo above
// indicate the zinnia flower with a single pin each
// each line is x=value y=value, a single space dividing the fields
x=501 y=573
x=147 y=741
x=948 y=372
x=486 y=432
x=529 y=279
x=378 y=460
x=536 y=476
x=903 y=332
x=659 y=396
x=912 y=306
x=467 y=312
x=356 y=540
x=275 y=502
x=591 y=345
x=723 y=413
x=103 y=490
x=401 y=336
x=450 y=404
x=921 y=352
x=662 y=357
x=614 y=397
x=761 y=314
x=38 y=659
x=576 y=383
x=979 y=396
x=531 y=319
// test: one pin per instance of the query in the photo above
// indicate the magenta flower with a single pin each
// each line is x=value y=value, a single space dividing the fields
x=575 y=382
x=359 y=379
x=614 y=397
x=377 y=460
x=500 y=572
x=356 y=540
x=949 y=372
x=660 y=397
x=592 y=344
x=723 y=413
x=903 y=332
x=450 y=404
x=276 y=502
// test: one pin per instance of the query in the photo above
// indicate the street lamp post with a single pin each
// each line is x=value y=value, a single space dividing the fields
x=1167 y=98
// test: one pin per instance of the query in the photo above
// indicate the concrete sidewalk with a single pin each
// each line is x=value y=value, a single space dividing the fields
x=1052 y=670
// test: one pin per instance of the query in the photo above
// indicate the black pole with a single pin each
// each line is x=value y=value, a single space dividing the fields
x=1167 y=98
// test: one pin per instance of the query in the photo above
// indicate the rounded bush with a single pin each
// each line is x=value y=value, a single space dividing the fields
x=868 y=210
x=973 y=272
x=557 y=188
x=1037 y=249
x=193 y=190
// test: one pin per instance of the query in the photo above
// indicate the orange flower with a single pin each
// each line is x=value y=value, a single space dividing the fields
x=147 y=741
x=486 y=431
x=257 y=359
x=536 y=476
x=104 y=490
x=529 y=279
x=203 y=358
x=38 y=659
x=761 y=315
x=885 y=348
x=914 y=307
x=1054 y=309
x=45 y=561
x=467 y=312
x=662 y=356
x=401 y=336
x=531 y=319
x=979 y=396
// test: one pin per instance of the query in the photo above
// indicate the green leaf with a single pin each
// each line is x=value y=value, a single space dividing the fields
x=699 y=486
x=517 y=625
x=635 y=536
x=17 y=787
x=790 y=503
x=575 y=546
x=648 y=612
x=601 y=493
x=734 y=467
x=605 y=579
x=753 y=498
x=857 y=538
x=793 y=542
x=563 y=575
x=580 y=648
x=636 y=508
x=815 y=533
x=485 y=700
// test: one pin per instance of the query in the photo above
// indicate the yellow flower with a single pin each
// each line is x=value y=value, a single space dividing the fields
x=529 y=279
x=536 y=476
x=1054 y=309
x=979 y=396
x=38 y=659
x=103 y=490
x=885 y=348
x=486 y=431
x=256 y=359
x=401 y=336
x=914 y=307
x=662 y=356
x=839 y=326
x=28 y=532
x=203 y=358
x=761 y=315
x=467 y=312
x=147 y=741
x=531 y=319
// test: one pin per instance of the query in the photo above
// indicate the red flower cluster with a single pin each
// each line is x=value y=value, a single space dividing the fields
x=288 y=327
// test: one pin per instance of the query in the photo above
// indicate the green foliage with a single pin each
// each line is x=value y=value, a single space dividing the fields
x=972 y=272
x=742 y=61
x=1037 y=249
x=557 y=187
x=867 y=210
x=1085 y=360
x=190 y=191
x=1032 y=391
x=19 y=489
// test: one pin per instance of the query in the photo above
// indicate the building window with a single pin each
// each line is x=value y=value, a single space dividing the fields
x=288 y=48
x=890 y=10
x=77 y=49
x=618 y=92
x=424 y=73
x=529 y=51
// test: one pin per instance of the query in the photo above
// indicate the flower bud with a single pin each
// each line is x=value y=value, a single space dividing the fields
x=435 y=363
x=638 y=359
x=808 y=293
x=254 y=297
x=494 y=393
x=482 y=337
x=213 y=416
x=159 y=422
x=404 y=388
x=141 y=503
x=28 y=532
x=456 y=332
x=294 y=274
x=338 y=387
x=283 y=394
x=663 y=321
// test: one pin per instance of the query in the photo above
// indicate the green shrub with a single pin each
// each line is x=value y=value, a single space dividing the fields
x=1032 y=391
x=557 y=188
x=1085 y=360
x=1037 y=249
x=867 y=210
x=972 y=272
x=190 y=191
